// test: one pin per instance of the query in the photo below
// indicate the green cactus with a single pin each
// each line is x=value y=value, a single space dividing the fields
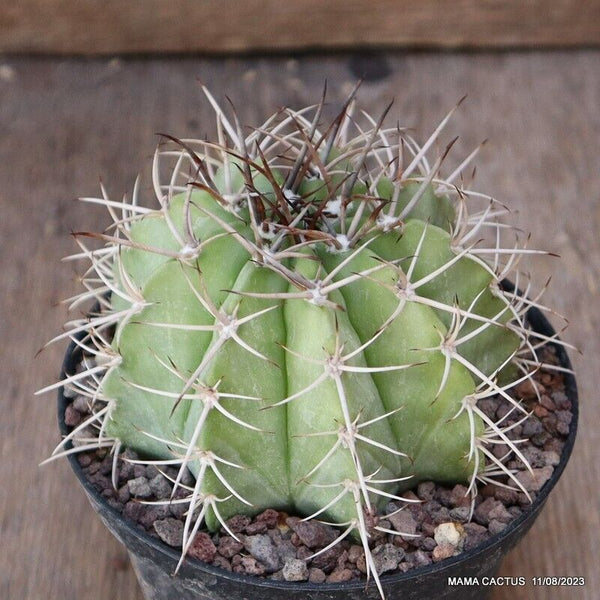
x=305 y=322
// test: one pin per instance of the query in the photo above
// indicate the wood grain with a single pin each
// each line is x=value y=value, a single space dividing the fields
x=65 y=123
x=216 y=26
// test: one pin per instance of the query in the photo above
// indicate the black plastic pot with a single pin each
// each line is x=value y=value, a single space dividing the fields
x=154 y=562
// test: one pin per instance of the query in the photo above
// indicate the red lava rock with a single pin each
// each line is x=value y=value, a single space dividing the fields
x=499 y=513
x=328 y=560
x=554 y=445
x=564 y=419
x=475 y=535
x=313 y=533
x=84 y=459
x=561 y=400
x=151 y=514
x=236 y=560
x=139 y=471
x=482 y=512
x=270 y=517
x=361 y=564
x=550 y=423
x=459 y=496
x=303 y=553
x=505 y=495
x=256 y=527
x=222 y=562
x=547 y=403
x=419 y=558
x=203 y=548
x=527 y=389
x=427 y=528
x=72 y=416
x=540 y=411
x=339 y=575
x=316 y=576
x=250 y=566
x=443 y=551
x=535 y=481
x=229 y=546
x=342 y=559
x=355 y=553
x=133 y=511
x=238 y=523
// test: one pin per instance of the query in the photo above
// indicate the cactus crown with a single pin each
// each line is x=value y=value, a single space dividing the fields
x=308 y=320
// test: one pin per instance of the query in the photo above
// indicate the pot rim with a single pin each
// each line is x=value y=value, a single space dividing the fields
x=536 y=320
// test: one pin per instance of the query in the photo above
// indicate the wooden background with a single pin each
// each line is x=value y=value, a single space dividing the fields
x=65 y=123
x=216 y=26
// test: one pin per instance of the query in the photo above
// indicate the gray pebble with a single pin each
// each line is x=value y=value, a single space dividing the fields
x=460 y=513
x=139 y=487
x=263 y=549
x=387 y=557
x=482 y=512
x=81 y=404
x=496 y=526
x=499 y=513
x=150 y=471
x=419 y=558
x=295 y=570
x=170 y=531
x=403 y=522
x=428 y=544
x=286 y=550
x=123 y=494
x=475 y=535
x=161 y=487
x=551 y=458
x=152 y=513
x=532 y=426
x=534 y=482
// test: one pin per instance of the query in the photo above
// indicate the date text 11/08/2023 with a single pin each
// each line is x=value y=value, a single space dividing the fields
x=542 y=580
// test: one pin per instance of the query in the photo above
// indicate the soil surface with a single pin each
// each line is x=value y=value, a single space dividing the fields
x=277 y=545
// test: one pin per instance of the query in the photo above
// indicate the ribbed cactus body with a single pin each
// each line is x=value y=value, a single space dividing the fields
x=279 y=400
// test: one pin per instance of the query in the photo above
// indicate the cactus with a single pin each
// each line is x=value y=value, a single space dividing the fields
x=307 y=321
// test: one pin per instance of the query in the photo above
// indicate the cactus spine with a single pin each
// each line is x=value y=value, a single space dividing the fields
x=307 y=321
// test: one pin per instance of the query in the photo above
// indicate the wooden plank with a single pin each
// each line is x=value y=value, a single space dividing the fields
x=64 y=123
x=217 y=26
